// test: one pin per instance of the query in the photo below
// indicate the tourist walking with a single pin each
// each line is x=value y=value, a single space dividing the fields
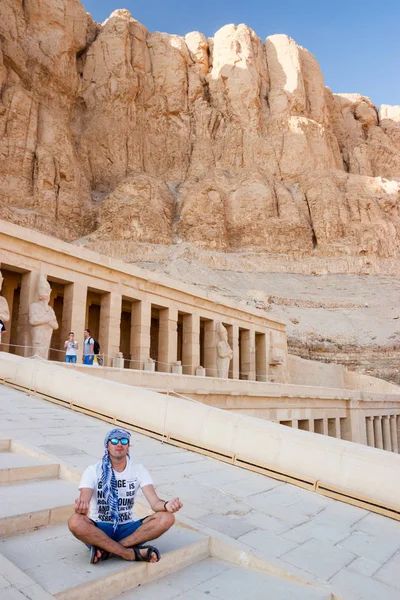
x=104 y=517
x=71 y=346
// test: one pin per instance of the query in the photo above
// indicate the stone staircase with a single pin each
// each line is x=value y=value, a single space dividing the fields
x=40 y=559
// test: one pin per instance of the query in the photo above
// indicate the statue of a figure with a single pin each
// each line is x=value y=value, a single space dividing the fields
x=278 y=363
x=42 y=320
x=224 y=352
x=4 y=310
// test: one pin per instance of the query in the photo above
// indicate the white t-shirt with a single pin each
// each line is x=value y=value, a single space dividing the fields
x=71 y=348
x=128 y=483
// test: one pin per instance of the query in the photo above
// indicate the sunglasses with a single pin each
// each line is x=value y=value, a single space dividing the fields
x=114 y=441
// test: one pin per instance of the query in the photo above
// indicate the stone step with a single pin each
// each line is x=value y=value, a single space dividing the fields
x=18 y=468
x=213 y=578
x=34 y=504
x=5 y=444
x=59 y=563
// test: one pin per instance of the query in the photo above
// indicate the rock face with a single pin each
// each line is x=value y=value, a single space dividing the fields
x=231 y=144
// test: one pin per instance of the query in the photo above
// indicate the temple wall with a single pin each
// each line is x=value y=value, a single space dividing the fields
x=311 y=372
x=315 y=373
x=357 y=381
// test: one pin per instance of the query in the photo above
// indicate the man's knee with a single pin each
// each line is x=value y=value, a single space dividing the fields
x=166 y=519
x=78 y=524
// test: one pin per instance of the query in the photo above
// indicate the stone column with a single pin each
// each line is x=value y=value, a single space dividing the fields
x=110 y=326
x=7 y=292
x=248 y=366
x=74 y=314
x=337 y=428
x=210 y=349
x=378 y=432
x=28 y=295
x=167 y=339
x=262 y=356
x=325 y=428
x=370 y=431
x=387 y=442
x=357 y=422
x=233 y=340
x=191 y=344
x=140 y=334
x=398 y=430
x=393 y=432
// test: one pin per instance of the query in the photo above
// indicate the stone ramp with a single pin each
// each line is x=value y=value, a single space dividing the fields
x=299 y=540
x=38 y=549
x=40 y=559
x=216 y=579
x=60 y=564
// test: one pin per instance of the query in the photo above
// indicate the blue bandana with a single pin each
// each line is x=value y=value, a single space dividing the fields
x=108 y=478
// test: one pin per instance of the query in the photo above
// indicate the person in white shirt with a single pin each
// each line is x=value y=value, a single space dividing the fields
x=71 y=347
x=104 y=517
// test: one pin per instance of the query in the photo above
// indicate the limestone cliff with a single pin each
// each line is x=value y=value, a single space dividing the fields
x=230 y=144
x=218 y=161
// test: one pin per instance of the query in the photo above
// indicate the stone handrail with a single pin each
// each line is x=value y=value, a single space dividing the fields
x=354 y=469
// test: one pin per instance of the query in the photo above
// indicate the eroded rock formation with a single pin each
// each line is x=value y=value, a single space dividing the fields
x=119 y=134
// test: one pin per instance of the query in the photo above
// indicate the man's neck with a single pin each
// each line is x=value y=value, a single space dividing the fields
x=119 y=464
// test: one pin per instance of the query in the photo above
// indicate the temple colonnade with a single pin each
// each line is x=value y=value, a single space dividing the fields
x=135 y=315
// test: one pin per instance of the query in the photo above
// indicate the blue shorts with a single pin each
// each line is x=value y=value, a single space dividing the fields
x=122 y=530
x=70 y=358
x=88 y=360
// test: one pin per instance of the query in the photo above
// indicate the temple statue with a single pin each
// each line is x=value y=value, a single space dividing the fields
x=277 y=361
x=4 y=310
x=42 y=320
x=224 y=352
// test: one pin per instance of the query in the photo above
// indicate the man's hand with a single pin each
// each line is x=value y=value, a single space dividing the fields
x=81 y=507
x=172 y=506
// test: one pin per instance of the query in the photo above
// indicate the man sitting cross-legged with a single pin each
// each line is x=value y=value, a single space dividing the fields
x=104 y=513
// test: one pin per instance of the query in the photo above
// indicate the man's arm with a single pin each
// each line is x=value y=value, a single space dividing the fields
x=82 y=503
x=159 y=505
x=92 y=348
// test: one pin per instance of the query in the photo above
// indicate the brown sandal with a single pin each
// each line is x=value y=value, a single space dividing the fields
x=147 y=557
x=105 y=555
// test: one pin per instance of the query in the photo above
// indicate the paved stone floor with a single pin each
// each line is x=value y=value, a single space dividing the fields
x=354 y=552
x=214 y=579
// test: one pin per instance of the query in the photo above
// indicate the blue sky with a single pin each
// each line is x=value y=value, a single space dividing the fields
x=357 y=43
